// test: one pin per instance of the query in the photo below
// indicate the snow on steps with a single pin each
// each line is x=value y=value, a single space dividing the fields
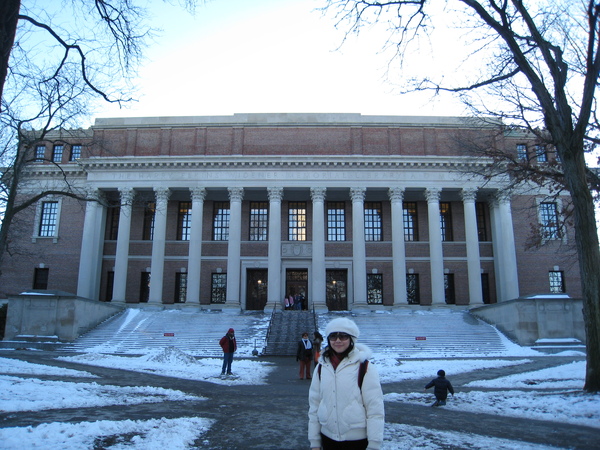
x=403 y=333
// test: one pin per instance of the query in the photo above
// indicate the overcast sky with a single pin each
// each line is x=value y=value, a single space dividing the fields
x=240 y=56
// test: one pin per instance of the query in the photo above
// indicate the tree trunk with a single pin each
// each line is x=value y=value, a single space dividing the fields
x=586 y=239
x=9 y=16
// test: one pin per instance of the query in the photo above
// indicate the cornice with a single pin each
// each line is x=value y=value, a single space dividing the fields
x=164 y=163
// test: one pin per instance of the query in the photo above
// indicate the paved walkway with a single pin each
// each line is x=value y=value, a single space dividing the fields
x=274 y=416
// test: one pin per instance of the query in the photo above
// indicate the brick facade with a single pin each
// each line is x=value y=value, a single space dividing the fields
x=296 y=153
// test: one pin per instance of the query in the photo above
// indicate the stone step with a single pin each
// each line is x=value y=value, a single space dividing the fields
x=399 y=333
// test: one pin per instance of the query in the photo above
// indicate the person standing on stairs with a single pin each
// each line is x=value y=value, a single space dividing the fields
x=229 y=346
x=304 y=354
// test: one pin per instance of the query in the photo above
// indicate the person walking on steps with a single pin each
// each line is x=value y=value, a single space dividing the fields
x=229 y=346
x=442 y=386
x=345 y=397
x=304 y=354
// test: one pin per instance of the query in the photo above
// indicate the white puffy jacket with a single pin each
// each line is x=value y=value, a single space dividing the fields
x=339 y=409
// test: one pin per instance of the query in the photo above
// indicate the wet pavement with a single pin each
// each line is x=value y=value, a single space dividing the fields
x=274 y=415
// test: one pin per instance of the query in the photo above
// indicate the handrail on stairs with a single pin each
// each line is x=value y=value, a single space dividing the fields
x=315 y=319
x=269 y=329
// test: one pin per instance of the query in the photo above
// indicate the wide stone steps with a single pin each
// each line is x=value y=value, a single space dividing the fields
x=402 y=333
x=413 y=333
x=195 y=332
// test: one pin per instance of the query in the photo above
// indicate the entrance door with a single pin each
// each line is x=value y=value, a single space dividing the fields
x=296 y=283
x=256 y=289
x=337 y=290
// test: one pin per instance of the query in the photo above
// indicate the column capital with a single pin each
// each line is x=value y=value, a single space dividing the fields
x=358 y=194
x=236 y=194
x=396 y=194
x=503 y=196
x=162 y=194
x=317 y=194
x=275 y=194
x=433 y=194
x=127 y=195
x=198 y=194
x=468 y=194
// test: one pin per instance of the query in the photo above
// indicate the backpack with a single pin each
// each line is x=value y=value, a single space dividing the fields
x=362 y=370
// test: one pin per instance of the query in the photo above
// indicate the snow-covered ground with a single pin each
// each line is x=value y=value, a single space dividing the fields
x=551 y=394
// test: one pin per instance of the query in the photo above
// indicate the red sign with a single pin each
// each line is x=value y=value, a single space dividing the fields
x=169 y=334
x=420 y=338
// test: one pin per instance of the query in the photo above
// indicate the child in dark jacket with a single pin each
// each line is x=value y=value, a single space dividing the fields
x=442 y=386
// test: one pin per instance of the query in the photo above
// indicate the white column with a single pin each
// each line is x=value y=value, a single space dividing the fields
x=195 y=248
x=498 y=249
x=91 y=247
x=359 y=255
x=157 y=267
x=319 y=285
x=436 y=258
x=398 y=248
x=274 y=265
x=472 y=240
x=234 y=247
x=122 y=251
x=507 y=240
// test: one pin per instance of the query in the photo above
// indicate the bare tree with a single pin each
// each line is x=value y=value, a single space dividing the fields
x=56 y=59
x=534 y=64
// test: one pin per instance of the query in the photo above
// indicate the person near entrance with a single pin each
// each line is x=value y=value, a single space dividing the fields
x=345 y=398
x=229 y=346
x=304 y=354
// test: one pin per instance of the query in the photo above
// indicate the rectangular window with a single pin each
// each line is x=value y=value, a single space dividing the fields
x=112 y=222
x=184 y=221
x=336 y=221
x=110 y=282
x=57 y=153
x=145 y=287
x=149 y=213
x=218 y=288
x=449 y=288
x=480 y=210
x=413 y=294
x=522 y=152
x=557 y=282
x=40 y=278
x=409 y=213
x=259 y=221
x=75 y=152
x=375 y=288
x=541 y=154
x=221 y=216
x=446 y=221
x=40 y=153
x=180 y=287
x=373 y=221
x=549 y=221
x=48 y=219
x=297 y=221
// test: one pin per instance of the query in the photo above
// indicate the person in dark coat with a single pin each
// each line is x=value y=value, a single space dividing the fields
x=229 y=346
x=442 y=386
x=304 y=354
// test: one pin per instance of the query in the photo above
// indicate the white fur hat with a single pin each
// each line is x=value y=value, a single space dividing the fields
x=343 y=325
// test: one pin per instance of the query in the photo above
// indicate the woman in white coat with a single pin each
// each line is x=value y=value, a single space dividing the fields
x=345 y=411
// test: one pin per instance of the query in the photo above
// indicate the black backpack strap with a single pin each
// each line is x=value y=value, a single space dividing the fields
x=319 y=370
x=362 y=370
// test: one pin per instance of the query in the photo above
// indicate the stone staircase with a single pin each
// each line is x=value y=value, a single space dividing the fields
x=415 y=333
x=286 y=330
x=195 y=332
x=407 y=333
